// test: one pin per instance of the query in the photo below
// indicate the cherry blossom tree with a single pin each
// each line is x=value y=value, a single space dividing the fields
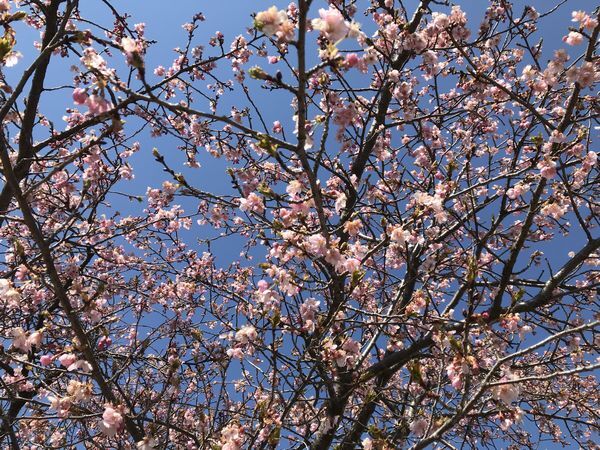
x=370 y=225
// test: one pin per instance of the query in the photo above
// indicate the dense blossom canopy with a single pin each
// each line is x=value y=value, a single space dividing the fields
x=369 y=224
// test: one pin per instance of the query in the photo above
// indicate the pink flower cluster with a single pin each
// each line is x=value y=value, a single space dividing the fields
x=95 y=103
x=342 y=355
x=275 y=22
x=573 y=38
x=585 y=75
x=461 y=367
x=8 y=293
x=588 y=163
x=23 y=341
x=507 y=393
x=252 y=203
x=268 y=298
x=232 y=437
x=112 y=420
x=333 y=26
x=584 y=19
x=547 y=168
x=72 y=363
x=433 y=203
x=308 y=313
x=244 y=338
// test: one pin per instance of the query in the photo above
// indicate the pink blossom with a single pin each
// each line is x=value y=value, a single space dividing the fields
x=507 y=393
x=252 y=203
x=352 y=227
x=584 y=19
x=578 y=16
x=590 y=160
x=334 y=257
x=340 y=203
x=130 y=45
x=93 y=60
x=235 y=352
x=266 y=297
x=554 y=210
x=417 y=303
x=524 y=330
x=333 y=353
x=308 y=311
x=12 y=59
x=352 y=265
x=133 y=50
x=317 y=245
x=104 y=342
x=246 y=334
x=331 y=24
x=528 y=73
x=20 y=339
x=511 y=322
x=587 y=74
x=57 y=438
x=262 y=286
x=79 y=391
x=67 y=359
x=351 y=60
x=383 y=229
x=556 y=137
x=46 y=360
x=97 y=105
x=81 y=366
x=232 y=437
x=432 y=202
x=24 y=341
x=399 y=234
x=517 y=190
x=79 y=96
x=112 y=420
x=573 y=38
x=60 y=404
x=8 y=292
x=294 y=188
x=345 y=356
x=35 y=339
x=270 y=21
x=440 y=20
x=547 y=169
x=455 y=374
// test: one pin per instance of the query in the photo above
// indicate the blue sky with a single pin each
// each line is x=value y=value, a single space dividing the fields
x=231 y=17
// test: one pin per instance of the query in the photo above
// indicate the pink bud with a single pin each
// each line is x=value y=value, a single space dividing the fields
x=351 y=60
x=46 y=360
x=104 y=342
